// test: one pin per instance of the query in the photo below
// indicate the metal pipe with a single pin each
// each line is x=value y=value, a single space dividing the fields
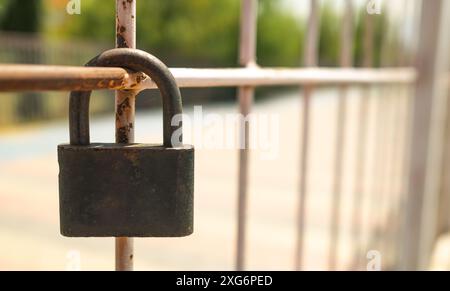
x=377 y=172
x=362 y=137
x=36 y=77
x=386 y=175
x=247 y=58
x=282 y=76
x=390 y=221
x=62 y=78
x=429 y=106
x=403 y=120
x=310 y=60
x=360 y=178
x=303 y=189
x=125 y=112
x=345 y=61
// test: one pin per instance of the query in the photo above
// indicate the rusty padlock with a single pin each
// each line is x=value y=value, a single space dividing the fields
x=127 y=190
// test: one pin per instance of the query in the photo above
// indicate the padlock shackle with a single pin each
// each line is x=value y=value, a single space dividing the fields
x=135 y=60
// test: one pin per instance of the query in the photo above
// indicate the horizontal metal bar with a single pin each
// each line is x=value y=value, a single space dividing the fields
x=42 y=78
x=283 y=76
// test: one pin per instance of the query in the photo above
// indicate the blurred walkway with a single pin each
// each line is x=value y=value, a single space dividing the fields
x=29 y=231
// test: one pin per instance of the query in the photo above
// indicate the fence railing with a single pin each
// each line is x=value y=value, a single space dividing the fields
x=43 y=78
x=407 y=200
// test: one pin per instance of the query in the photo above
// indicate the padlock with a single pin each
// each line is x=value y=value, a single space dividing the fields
x=127 y=190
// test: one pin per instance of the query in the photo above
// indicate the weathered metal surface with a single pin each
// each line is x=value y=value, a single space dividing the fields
x=126 y=190
x=362 y=142
x=346 y=57
x=247 y=58
x=126 y=23
x=125 y=112
x=121 y=189
x=419 y=221
x=37 y=77
x=310 y=60
x=45 y=78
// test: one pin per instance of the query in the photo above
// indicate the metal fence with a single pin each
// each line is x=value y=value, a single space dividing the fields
x=23 y=48
x=399 y=166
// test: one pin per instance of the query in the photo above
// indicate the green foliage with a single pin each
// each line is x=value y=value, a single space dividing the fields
x=96 y=22
x=280 y=36
x=3 y=7
x=196 y=33
x=190 y=33
x=20 y=15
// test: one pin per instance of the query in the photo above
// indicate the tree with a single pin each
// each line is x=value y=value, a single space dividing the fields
x=192 y=33
x=21 y=16
x=24 y=16
x=280 y=36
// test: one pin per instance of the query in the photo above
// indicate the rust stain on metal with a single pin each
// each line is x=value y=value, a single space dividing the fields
x=123 y=133
x=138 y=78
x=120 y=32
x=121 y=41
x=125 y=105
x=133 y=157
x=124 y=3
x=124 y=109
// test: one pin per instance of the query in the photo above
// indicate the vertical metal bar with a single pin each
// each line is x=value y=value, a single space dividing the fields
x=362 y=137
x=427 y=62
x=404 y=124
x=312 y=37
x=303 y=189
x=368 y=41
x=385 y=140
x=247 y=57
x=377 y=172
x=310 y=60
x=346 y=55
x=444 y=209
x=388 y=170
x=125 y=112
x=403 y=57
x=345 y=61
x=247 y=49
x=405 y=119
x=396 y=160
x=431 y=201
x=360 y=178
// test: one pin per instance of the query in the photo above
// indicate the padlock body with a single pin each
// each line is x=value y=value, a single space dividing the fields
x=138 y=190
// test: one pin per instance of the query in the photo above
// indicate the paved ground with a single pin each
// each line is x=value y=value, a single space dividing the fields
x=29 y=234
x=441 y=255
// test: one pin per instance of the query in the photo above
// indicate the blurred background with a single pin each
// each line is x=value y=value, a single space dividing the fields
x=41 y=32
x=374 y=172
